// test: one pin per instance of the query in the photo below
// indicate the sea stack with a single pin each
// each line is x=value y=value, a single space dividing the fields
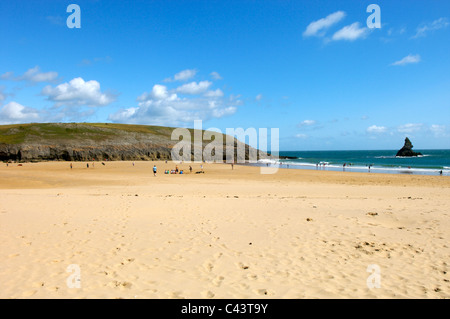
x=406 y=150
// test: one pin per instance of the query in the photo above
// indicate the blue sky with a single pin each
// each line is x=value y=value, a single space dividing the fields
x=313 y=69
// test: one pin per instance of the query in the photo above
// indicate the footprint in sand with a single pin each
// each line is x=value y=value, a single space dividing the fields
x=218 y=281
x=208 y=294
x=262 y=292
x=120 y=284
x=208 y=266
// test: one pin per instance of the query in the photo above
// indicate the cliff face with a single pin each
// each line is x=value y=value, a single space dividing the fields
x=86 y=142
x=406 y=150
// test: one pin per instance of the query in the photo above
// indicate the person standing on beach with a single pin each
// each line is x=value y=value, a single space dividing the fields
x=190 y=168
x=154 y=170
x=440 y=173
x=71 y=166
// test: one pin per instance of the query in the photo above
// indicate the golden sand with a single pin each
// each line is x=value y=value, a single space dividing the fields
x=222 y=234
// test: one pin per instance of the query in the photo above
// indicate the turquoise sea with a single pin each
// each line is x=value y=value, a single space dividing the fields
x=384 y=161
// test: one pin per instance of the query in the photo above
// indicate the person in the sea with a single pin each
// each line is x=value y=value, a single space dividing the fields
x=154 y=170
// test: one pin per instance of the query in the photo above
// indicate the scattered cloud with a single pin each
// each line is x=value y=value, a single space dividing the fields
x=377 y=129
x=439 y=130
x=78 y=92
x=424 y=29
x=182 y=75
x=163 y=106
x=317 y=28
x=194 y=87
x=7 y=76
x=410 y=59
x=215 y=93
x=258 y=97
x=2 y=94
x=351 y=32
x=33 y=75
x=215 y=76
x=87 y=62
x=410 y=127
x=301 y=136
x=15 y=113
x=306 y=123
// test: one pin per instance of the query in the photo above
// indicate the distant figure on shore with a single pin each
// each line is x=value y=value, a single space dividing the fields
x=103 y=164
x=440 y=173
x=190 y=169
x=232 y=166
x=87 y=165
x=201 y=166
x=133 y=163
x=154 y=170
x=71 y=166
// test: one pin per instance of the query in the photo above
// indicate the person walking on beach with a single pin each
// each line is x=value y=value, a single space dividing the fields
x=190 y=169
x=154 y=170
x=71 y=166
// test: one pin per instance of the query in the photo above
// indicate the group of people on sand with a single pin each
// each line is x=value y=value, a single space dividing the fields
x=175 y=171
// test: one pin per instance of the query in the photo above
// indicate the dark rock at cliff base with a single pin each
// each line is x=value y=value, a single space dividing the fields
x=406 y=150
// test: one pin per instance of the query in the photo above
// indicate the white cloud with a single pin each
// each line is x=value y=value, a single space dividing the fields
x=78 y=92
x=182 y=75
x=408 y=60
x=15 y=113
x=351 y=32
x=160 y=107
x=2 y=94
x=301 y=136
x=32 y=75
x=377 y=129
x=7 y=76
x=215 y=93
x=194 y=87
x=422 y=31
x=306 y=123
x=316 y=28
x=410 y=128
x=259 y=97
x=439 y=130
x=215 y=76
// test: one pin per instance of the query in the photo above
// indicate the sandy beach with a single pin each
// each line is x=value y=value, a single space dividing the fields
x=227 y=233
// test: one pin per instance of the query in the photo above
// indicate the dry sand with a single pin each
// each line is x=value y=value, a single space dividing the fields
x=223 y=234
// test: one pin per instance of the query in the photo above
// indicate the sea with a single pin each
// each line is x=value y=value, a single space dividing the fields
x=432 y=162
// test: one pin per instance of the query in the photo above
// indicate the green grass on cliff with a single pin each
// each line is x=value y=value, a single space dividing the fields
x=22 y=133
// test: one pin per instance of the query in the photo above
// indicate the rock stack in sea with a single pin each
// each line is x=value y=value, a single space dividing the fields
x=406 y=150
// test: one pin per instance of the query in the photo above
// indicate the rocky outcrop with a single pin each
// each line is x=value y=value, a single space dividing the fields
x=406 y=150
